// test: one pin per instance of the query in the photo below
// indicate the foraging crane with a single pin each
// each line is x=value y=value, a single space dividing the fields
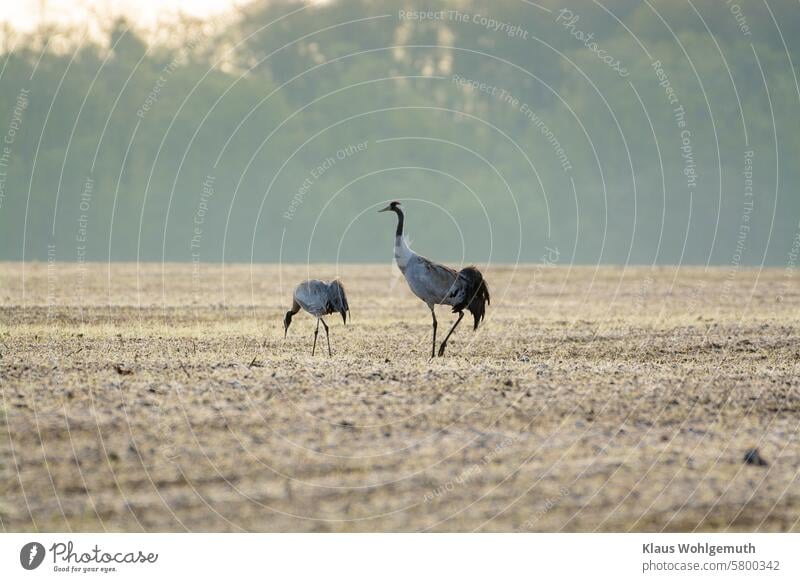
x=318 y=298
x=438 y=284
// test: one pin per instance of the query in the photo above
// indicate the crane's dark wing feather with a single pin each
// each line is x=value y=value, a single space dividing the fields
x=337 y=299
x=473 y=294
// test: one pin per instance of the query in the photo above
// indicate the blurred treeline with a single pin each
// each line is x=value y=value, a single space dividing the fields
x=239 y=113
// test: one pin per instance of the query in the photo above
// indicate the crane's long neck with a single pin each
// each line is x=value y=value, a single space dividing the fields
x=400 y=218
x=402 y=253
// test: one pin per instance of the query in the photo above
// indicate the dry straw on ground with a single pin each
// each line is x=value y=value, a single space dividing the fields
x=157 y=398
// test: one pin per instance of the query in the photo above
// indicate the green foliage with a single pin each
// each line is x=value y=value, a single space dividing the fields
x=217 y=146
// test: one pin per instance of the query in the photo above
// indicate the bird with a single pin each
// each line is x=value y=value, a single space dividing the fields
x=438 y=284
x=318 y=298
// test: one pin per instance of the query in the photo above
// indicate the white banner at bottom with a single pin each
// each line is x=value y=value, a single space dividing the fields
x=401 y=557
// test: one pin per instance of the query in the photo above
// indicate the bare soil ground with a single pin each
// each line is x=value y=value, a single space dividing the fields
x=164 y=397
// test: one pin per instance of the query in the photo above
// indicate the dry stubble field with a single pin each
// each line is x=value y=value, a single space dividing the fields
x=156 y=398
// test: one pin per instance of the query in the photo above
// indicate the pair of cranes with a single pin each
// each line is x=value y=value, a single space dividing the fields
x=432 y=282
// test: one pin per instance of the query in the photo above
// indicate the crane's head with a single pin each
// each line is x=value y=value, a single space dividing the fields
x=287 y=321
x=393 y=207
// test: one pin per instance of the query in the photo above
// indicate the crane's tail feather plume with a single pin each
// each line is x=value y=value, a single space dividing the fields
x=476 y=297
x=339 y=300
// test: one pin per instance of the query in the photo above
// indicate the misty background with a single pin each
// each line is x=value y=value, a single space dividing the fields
x=638 y=132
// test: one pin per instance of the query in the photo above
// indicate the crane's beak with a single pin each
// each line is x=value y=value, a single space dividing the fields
x=387 y=209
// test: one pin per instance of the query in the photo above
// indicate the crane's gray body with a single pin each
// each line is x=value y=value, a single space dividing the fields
x=431 y=282
x=320 y=298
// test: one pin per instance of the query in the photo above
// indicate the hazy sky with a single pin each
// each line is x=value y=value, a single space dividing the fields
x=25 y=14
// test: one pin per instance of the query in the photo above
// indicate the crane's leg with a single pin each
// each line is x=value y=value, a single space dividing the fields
x=316 y=331
x=327 y=337
x=435 y=325
x=452 y=329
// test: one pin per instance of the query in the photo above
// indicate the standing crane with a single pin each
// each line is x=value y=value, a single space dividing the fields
x=318 y=298
x=438 y=284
